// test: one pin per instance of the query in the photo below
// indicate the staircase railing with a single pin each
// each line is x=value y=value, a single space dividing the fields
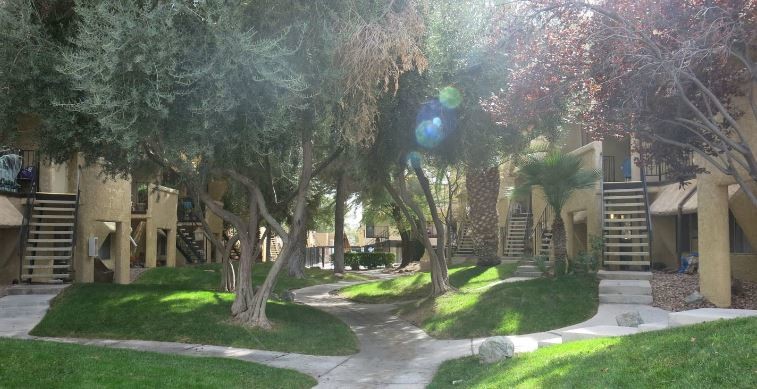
x=529 y=226
x=602 y=209
x=24 y=233
x=540 y=226
x=76 y=223
x=646 y=208
x=507 y=225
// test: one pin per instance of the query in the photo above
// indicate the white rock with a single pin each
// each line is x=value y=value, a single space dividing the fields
x=496 y=349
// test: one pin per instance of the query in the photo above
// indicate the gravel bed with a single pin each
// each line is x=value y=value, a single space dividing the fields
x=669 y=290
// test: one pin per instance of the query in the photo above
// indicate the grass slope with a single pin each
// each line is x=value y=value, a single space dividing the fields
x=415 y=286
x=176 y=305
x=208 y=277
x=506 y=309
x=27 y=364
x=712 y=355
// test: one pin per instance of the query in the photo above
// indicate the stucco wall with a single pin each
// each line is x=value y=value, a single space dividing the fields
x=102 y=199
x=664 y=240
x=744 y=267
x=10 y=261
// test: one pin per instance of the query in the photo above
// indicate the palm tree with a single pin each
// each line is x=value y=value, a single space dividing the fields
x=559 y=175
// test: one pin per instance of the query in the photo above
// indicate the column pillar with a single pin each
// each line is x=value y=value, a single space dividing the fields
x=121 y=251
x=714 y=245
x=171 y=248
x=151 y=243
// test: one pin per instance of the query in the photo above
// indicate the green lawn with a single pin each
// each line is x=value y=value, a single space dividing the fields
x=712 y=355
x=208 y=277
x=479 y=308
x=506 y=309
x=177 y=305
x=415 y=286
x=27 y=364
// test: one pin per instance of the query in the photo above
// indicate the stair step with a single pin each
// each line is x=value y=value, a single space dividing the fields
x=46 y=201
x=639 y=212
x=53 y=216
x=37 y=224
x=527 y=268
x=623 y=275
x=33 y=248
x=628 y=287
x=630 y=254
x=55 y=209
x=623 y=205
x=592 y=332
x=626 y=236
x=46 y=266
x=22 y=290
x=635 y=228
x=64 y=232
x=35 y=257
x=625 y=299
x=528 y=274
x=630 y=197
x=634 y=220
x=622 y=190
x=639 y=244
x=56 y=276
x=627 y=263
x=49 y=240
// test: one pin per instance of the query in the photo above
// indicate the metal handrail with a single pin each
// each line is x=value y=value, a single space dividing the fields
x=24 y=233
x=646 y=205
x=539 y=228
x=507 y=222
x=602 y=207
x=72 y=268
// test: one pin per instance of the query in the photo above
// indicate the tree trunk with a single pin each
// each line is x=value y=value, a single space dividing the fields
x=339 y=224
x=245 y=292
x=228 y=275
x=255 y=316
x=560 y=244
x=483 y=189
x=296 y=260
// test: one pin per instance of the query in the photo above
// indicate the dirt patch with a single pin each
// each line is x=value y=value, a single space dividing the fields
x=669 y=291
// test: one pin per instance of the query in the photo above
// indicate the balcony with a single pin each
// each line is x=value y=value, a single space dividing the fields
x=139 y=197
x=377 y=232
x=19 y=170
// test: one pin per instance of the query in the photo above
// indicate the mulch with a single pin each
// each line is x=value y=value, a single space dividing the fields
x=669 y=291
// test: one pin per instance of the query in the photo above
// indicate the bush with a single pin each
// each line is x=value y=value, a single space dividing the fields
x=369 y=260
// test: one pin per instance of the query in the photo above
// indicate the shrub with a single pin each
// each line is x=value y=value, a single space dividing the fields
x=369 y=260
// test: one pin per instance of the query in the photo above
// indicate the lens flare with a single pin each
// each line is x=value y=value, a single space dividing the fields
x=450 y=97
x=428 y=135
x=414 y=159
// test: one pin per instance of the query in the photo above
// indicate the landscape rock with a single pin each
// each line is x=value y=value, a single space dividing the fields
x=339 y=275
x=496 y=349
x=694 y=298
x=629 y=319
x=287 y=296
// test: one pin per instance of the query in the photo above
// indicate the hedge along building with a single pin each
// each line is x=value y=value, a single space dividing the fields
x=646 y=218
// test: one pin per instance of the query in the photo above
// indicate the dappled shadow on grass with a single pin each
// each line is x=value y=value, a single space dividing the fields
x=512 y=308
x=717 y=354
x=151 y=312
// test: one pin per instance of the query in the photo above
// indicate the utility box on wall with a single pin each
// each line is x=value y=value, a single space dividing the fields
x=92 y=246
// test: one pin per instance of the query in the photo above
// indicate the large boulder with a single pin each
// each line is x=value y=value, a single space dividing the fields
x=629 y=319
x=496 y=349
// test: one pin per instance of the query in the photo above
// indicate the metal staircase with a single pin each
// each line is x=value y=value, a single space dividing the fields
x=191 y=248
x=541 y=234
x=518 y=222
x=49 y=238
x=626 y=227
x=465 y=243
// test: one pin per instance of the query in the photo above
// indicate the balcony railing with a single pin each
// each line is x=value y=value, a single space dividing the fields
x=27 y=179
x=379 y=232
x=139 y=197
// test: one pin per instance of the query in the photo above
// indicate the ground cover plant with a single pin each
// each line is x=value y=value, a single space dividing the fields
x=48 y=364
x=720 y=354
x=165 y=306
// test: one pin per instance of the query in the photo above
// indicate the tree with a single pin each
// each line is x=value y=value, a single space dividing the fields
x=559 y=176
x=672 y=74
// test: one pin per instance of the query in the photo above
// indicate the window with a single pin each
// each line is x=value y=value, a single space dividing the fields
x=739 y=243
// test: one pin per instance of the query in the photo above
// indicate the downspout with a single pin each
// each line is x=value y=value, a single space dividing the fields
x=679 y=225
